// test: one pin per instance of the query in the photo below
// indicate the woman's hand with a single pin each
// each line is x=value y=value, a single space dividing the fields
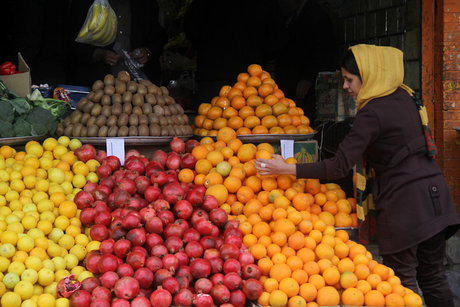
x=142 y=55
x=277 y=166
x=109 y=57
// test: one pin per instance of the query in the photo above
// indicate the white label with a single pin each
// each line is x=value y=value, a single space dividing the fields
x=116 y=147
x=287 y=149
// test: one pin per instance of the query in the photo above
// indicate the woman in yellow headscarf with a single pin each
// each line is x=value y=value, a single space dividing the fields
x=415 y=213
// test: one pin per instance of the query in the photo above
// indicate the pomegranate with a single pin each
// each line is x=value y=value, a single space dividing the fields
x=218 y=216
x=102 y=292
x=183 y=298
x=182 y=223
x=202 y=300
x=166 y=217
x=103 y=171
x=161 y=298
x=120 y=198
x=200 y=268
x=208 y=242
x=160 y=156
x=108 y=279
x=135 y=165
x=89 y=284
x=252 y=288
x=194 y=249
x=83 y=199
x=216 y=265
x=173 y=192
x=152 y=239
x=118 y=233
x=100 y=206
x=235 y=240
x=145 y=277
x=188 y=161
x=158 y=178
x=171 y=284
x=160 y=204
x=131 y=174
x=87 y=216
x=177 y=145
x=106 y=246
x=154 y=225
x=198 y=214
x=232 y=231
x=135 y=259
x=152 y=193
x=140 y=301
x=125 y=269
x=173 y=161
x=137 y=236
x=190 y=144
x=121 y=248
x=100 y=155
x=210 y=202
x=67 y=286
x=127 y=185
x=173 y=230
x=237 y=298
x=233 y=281
x=142 y=183
x=126 y=288
x=81 y=298
x=131 y=221
x=217 y=279
x=204 y=227
x=108 y=182
x=232 y=265
x=203 y=285
x=159 y=251
x=140 y=249
x=183 y=282
x=183 y=209
x=194 y=197
x=92 y=261
x=153 y=263
x=182 y=257
x=228 y=251
x=220 y=294
x=146 y=214
x=246 y=258
x=170 y=262
x=174 y=244
x=191 y=235
x=99 y=302
x=119 y=302
x=85 y=152
x=184 y=271
x=107 y=262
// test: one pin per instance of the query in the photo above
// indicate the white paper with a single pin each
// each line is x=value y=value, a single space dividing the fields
x=116 y=147
x=287 y=149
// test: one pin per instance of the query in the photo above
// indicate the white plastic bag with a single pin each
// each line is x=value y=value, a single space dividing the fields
x=100 y=26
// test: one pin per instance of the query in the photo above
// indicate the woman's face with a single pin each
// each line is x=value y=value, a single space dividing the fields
x=351 y=83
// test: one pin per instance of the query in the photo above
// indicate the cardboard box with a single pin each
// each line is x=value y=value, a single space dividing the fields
x=19 y=83
x=304 y=151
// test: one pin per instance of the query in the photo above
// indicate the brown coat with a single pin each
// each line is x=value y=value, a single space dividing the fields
x=412 y=199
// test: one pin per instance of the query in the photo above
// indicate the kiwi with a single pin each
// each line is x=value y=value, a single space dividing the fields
x=170 y=130
x=164 y=90
x=147 y=108
x=90 y=95
x=133 y=120
x=81 y=103
x=96 y=110
x=131 y=87
x=153 y=118
x=120 y=87
x=106 y=111
x=97 y=96
x=106 y=101
x=142 y=89
x=178 y=130
x=84 y=131
x=76 y=129
x=160 y=100
x=113 y=131
x=127 y=108
x=185 y=118
x=153 y=89
x=188 y=130
x=158 y=110
x=143 y=119
x=103 y=131
x=60 y=129
x=92 y=130
x=125 y=77
x=123 y=131
x=127 y=97
x=116 y=98
x=154 y=130
x=137 y=110
x=111 y=121
x=68 y=130
x=109 y=79
x=167 y=111
x=84 y=118
x=88 y=107
x=178 y=119
x=143 y=130
x=150 y=98
x=179 y=108
x=169 y=100
x=123 y=119
x=145 y=82
x=116 y=109
x=163 y=121
x=133 y=131
x=101 y=120
x=91 y=121
x=164 y=131
x=172 y=109
x=75 y=117
x=109 y=90
x=138 y=99
x=97 y=85
x=67 y=121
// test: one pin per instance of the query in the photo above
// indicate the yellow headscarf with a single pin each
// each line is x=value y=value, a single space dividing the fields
x=381 y=69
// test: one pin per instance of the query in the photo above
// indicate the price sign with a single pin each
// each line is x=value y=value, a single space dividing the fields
x=116 y=147
x=287 y=148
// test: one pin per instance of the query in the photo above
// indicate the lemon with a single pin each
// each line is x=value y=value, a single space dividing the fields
x=16 y=267
x=47 y=216
x=49 y=264
x=10 y=280
x=4 y=263
x=67 y=187
x=62 y=302
x=50 y=144
x=71 y=261
x=34 y=263
x=30 y=181
x=55 y=188
x=60 y=274
x=46 y=299
x=93 y=245
x=9 y=237
x=51 y=289
x=25 y=243
x=29 y=222
x=20 y=256
x=79 y=251
x=17 y=185
x=30 y=275
x=19 y=213
x=41 y=173
x=74 y=144
x=2 y=288
x=11 y=299
x=29 y=303
x=4 y=187
x=25 y=289
x=12 y=218
x=59 y=263
x=29 y=207
x=45 y=163
x=64 y=140
x=92 y=177
x=77 y=270
x=56 y=234
x=81 y=239
x=61 y=222
x=2 y=200
x=56 y=175
x=76 y=220
x=83 y=275
x=45 y=205
x=7 y=250
x=39 y=196
x=79 y=181
x=45 y=226
x=35 y=233
x=16 y=227
x=39 y=252
x=54 y=250
x=45 y=277
x=66 y=241
x=73 y=231
x=58 y=151
x=68 y=176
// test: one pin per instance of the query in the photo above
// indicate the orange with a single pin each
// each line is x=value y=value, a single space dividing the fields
x=269 y=184
x=264 y=299
x=311 y=267
x=384 y=287
x=279 y=271
x=186 y=175
x=232 y=184
x=254 y=81
x=279 y=238
x=331 y=276
x=253 y=206
x=296 y=240
x=373 y=280
x=265 y=265
x=246 y=152
x=237 y=172
x=226 y=134
x=237 y=208
x=273 y=249
x=300 y=276
x=289 y=129
x=394 y=300
x=294 y=262
x=374 y=298
x=284 y=120
x=258 y=251
x=271 y=99
x=300 y=201
x=348 y=280
x=249 y=168
x=214 y=112
x=254 y=70
x=346 y=265
x=229 y=113
x=276 y=130
x=270 y=284
x=328 y=296
x=263 y=110
x=278 y=93
x=218 y=191
x=223 y=102
x=343 y=234
x=362 y=271
x=233 y=93
x=212 y=179
x=343 y=219
x=242 y=77
x=297 y=301
x=254 y=101
x=282 y=202
x=279 y=258
x=224 y=90
x=249 y=91
x=313 y=186
x=289 y=286
x=261 y=229
x=381 y=270
x=200 y=152
x=245 y=112
x=266 y=213
x=204 y=108
x=265 y=90
x=356 y=250
x=203 y=166
x=199 y=179
x=353 y=297
x=235 y=122
x=244 y=194
x=363 y=286
x=324 y=251
x=308 y=291
x=288 y=251
x=239 y=85
x=269 y=121
x=251 y=121
x=394 y=280
x=305 y=227
x=278 y=298
x=284 y=225
x=317 y=280
x=254 y=183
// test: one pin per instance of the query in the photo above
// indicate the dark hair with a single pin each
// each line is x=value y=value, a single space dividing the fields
x=349 y=63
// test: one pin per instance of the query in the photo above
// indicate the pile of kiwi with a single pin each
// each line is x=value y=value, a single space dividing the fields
x=120 y=107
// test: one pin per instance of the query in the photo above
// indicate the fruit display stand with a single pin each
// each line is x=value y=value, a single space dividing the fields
x=21 y=140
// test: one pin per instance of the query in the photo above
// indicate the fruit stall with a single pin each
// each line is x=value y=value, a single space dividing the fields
x=179 y=216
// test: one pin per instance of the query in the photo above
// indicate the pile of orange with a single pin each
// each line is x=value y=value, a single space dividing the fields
x=253 y=105
x=289 y=226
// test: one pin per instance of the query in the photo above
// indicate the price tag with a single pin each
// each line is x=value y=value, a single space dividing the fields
x=116 y=147
x=287 y=148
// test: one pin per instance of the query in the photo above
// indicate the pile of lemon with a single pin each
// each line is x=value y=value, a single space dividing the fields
x=41 y=236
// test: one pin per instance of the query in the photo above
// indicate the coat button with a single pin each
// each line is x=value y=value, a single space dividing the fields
x=434 y=189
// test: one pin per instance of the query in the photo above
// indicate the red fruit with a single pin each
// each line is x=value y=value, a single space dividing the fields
x=251 y=271
x=107 y=263
x=132 y=153
x=135 y=259
x=200 y=268
x=182 y=223
x=232 y=232
x=135 y=165
x=159 y=251
x=210 y=202
x=89 y=284
x=177 y=145
x=191 y=235
x=232 y=224
x=85 y=153
x=127 y=185
x=211 y=253
x=182 y=257
x=153 y=239
x=194 y=249
x=103 y=171
x=195 y=197
x=90 y=187
x=174 y=244
x=183 y=209
x=190 y=144
x=183 y=298
x=204 y=227
x=125 y=269
x=108 y=279
x=140 y=301
x=166 y=217
x=252 y=288
x=142 y=183
x=183 y=282
x=237 y=298
x=106 y=246
x=103 y=218
x=119 y=302
x=83 y=199
x=218 y=216
x=208 y=242
x=173 y=161
x=217 y=279
x=170 y=262
x=216 y=264
x=228 y=251
x=158 y=178
x=126 y=288
x=173 y=230
x=173 y=192
x=161 y=298
x=161 y=275
x=131 y=174
x=154 y=225
x=121 y=248
x=131 y=221
x=67 y=286
x=160 y=156
x=81 y=298
x=145 y=293
x=233 y=281
x=220 y=294
x=144 y=276
x=99 y=232
x=101 y=194
x=118 y=233
x=246 y=258
x=153 y=263
x=100 y=206
x=188 y=161
x=141 y=250
x=152 y=193
x=202 y=300
x=171 y=284
x=101 y=292
x=203 y=285
x=108 y=182
x=99 y=302
x=87 y=216
x=92 y=261
x=136 y=236
x=232 y=265
x=160 y=204
x=147 y=213
x=197 y=215
x=184 y=271
x=100 y=155
x=235 y=240
x=120 y=198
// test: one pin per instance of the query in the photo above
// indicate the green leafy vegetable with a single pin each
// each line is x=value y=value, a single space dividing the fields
x=6 y=129
x=6 y=111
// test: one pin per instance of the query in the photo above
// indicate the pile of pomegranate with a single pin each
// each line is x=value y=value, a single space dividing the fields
x=163 y=242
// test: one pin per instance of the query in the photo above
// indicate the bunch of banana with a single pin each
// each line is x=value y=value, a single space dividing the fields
x=100 y=28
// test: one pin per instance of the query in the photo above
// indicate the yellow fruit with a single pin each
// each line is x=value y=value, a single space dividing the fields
x=30 y=275
x=11 y=299
x=64 y=140
x=56 y=175
x=79 y=181
x=25 y=243
x=25 y=289
x=45 y=277
x=46 y=299
x=74 y=144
